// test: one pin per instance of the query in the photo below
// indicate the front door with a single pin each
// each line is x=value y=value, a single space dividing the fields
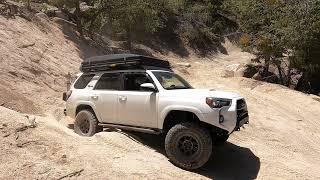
x=137 y=107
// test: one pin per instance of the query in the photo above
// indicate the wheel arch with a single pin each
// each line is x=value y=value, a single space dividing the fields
x=86 y=105
x=173 y=116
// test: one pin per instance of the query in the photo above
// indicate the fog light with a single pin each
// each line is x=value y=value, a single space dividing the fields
x=221 y=119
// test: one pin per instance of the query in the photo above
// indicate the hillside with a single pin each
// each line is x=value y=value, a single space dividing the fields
x=35 y=60
x=282 y=140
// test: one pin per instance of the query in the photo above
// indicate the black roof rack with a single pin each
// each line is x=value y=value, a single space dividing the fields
x=122 y=62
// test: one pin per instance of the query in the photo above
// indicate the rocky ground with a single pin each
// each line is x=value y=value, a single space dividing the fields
x=282 y=140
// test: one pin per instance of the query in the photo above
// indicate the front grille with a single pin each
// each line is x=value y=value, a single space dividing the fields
x=241 y=103
x=242 y=111
x=242 y=114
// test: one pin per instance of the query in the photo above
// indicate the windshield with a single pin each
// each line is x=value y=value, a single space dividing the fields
x=169 y=80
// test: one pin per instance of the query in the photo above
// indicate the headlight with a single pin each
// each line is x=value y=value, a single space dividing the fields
x=217 y=102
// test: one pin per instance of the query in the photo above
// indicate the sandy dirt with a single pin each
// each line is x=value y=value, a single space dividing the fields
x=282 y=140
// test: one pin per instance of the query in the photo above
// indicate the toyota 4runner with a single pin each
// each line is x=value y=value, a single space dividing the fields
x=139 y=93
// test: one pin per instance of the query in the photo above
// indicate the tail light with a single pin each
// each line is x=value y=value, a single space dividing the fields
x=66 y=95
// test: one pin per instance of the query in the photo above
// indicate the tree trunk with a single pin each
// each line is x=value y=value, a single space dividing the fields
x=278 y=64
x=266 y=65
x=129 y=39
x=28 y=5
x=288 y=80
x=303 y=84
x=78 y=18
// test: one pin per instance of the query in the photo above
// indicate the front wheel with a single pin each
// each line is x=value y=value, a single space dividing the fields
x=220 y=139
x=188 y=145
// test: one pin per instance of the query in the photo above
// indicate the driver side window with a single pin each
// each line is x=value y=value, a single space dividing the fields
x=133 y=81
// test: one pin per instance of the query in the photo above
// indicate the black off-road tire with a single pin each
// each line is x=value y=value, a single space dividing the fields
x=86 y=123
x=177 y=145
x=220 y=139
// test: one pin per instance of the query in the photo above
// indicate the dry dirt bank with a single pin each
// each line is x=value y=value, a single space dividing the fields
x=36 y=57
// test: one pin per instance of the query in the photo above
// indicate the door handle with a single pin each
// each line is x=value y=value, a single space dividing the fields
x=122 y=98
x=94 y=97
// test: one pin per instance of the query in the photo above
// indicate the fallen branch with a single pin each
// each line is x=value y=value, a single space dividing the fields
x=37 y=142
x=20 y=145
x=23 y=128
x=6 y=135
x=76 y=173
x=27 y=45
x=20 y=129
x=265 y=78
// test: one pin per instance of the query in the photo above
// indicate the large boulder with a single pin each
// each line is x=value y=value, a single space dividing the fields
x=257 y=76
x=49 y=10
x=42 y=15
x=232 y=70
x=294 y=78
x=251 y=69
x=61 y=15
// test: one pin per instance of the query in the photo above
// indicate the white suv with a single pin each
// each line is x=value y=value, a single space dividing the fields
x=158 y=101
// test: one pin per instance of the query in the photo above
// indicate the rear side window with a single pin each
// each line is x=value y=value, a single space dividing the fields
x=83 y=81
x=109 y=81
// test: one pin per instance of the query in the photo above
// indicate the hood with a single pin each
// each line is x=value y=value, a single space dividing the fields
x=192 y=93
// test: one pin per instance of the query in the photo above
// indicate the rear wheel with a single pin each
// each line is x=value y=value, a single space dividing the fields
x=86 y=123
x=188 y=145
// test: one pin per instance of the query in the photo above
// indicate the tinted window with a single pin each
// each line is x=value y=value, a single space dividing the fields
x=132 y=82
x=109 y=81
x=83 y=81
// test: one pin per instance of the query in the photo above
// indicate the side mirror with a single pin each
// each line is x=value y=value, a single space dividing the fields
x=148 y=87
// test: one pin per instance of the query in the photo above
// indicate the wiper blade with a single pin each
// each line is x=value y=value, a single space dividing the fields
x=170 y=88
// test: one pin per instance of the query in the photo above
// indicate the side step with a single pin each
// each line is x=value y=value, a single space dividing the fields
x=131 y=128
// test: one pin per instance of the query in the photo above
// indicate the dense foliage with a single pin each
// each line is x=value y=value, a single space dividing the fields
x=196 y=22
x=285 y=33
x=282 y=33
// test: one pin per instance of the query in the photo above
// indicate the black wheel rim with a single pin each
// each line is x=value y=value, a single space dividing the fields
x=188 y=145
x=85 y=126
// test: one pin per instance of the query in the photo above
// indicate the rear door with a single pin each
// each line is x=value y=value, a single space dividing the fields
x=137 y=107
x=105 y=96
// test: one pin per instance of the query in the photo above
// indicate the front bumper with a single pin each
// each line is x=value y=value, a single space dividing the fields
x=241 y=122
x=242 y=114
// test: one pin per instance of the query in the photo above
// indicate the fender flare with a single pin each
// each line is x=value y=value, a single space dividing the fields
x=164 y=113
x=88 y=103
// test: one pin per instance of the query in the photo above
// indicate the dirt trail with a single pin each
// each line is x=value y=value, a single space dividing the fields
x=281 y=142
x=51 y=150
